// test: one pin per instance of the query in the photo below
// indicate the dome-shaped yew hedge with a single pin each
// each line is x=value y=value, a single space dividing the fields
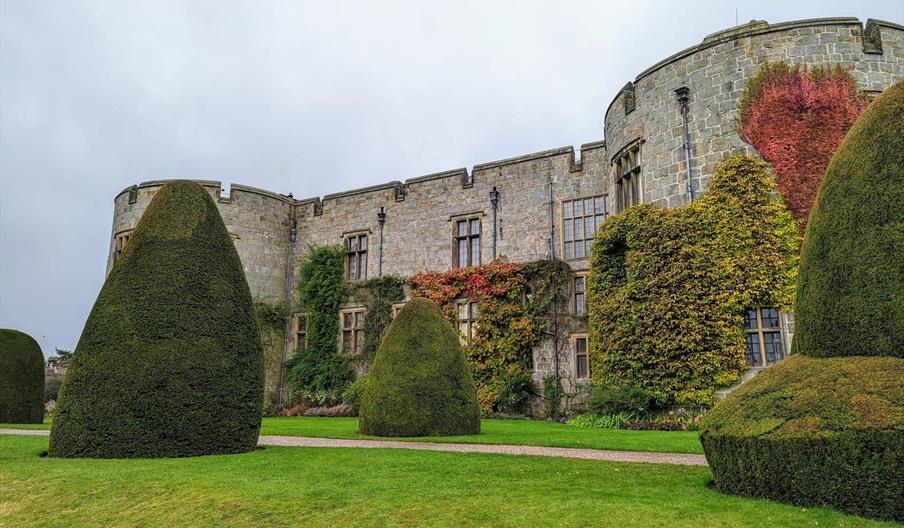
x=420 y=383
x=850 y=296
x=169 y=363
x=826 y=427
x=21 y=378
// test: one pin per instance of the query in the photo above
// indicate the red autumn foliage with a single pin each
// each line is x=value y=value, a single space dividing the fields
x=795 y=117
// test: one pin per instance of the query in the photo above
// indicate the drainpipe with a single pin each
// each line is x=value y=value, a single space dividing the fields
x=494 y=201
x=381 y=219
x=682 y=94
x=555 y=302
x=290 y=278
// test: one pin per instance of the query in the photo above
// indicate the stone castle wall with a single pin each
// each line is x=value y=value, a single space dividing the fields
x=421 y=211
x=715 y=72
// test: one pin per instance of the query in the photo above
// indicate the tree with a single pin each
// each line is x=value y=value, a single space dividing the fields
x=21 y=378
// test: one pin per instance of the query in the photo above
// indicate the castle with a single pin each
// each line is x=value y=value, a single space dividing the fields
x=664 y=132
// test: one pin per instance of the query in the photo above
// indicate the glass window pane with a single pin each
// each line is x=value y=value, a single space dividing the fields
x=475 y=226
x=580 y=306
x=475 y=251
x=346 y=340
x=569 y=250
x=352 y=267
x=753 y=350
x=463 y=311
x=588 y=206
x=579 y=284
x=362 y=269
x=359 y=319
x=598 y=205
x=363 y=243
x=568 y=229
x=567 y=210
x=599 y=220
x=578 y=230
x=463 y=253
x=578 y=208
x=588 y=227
x=462 y=228
x=582 y=370
x=750 y=320
x=588 y=246
x=772 y=342
x=769 y=317
x=579 y=250
x=473 y=311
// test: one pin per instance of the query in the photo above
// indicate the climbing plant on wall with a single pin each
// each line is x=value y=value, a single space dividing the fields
x=271 y=320
x=318 y=370
x=377 y=296
x=668 y=287
x=795 y=117
x=509 y=321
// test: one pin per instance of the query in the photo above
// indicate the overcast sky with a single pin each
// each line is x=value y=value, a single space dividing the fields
x=302 y=97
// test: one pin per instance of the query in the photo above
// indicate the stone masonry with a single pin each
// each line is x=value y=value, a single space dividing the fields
x=273 y=232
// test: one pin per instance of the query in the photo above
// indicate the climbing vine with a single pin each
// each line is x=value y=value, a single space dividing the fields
x=377 y=296
x=795 y=117
x=512 y=300
x=271 y=320
x=668 y=287
x=318 y=371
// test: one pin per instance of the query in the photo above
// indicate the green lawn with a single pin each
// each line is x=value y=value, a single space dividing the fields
x=516 y=432
x=331 y=487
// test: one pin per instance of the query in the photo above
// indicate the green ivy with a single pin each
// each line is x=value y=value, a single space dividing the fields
x=271 y=321
x=377 y=295
x=319 y=371
x=668 y=287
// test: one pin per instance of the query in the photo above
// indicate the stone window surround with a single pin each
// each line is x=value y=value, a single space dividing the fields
x=354 y=331
x=396 y=307
x=453 y=228
x=575 y=293
x=562 y=219
x=359 y=255
x=761 y=331
x=299 y=335
x=634 y=174
x=573 y=338
x=119 y=242
x=466 y=325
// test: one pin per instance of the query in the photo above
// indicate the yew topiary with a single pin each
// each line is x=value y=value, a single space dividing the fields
x=850 y=297
x=169 y=363
x=826 y=427
x=420 y=383
x=21 y=378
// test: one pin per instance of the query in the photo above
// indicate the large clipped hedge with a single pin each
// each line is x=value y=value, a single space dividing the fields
x=850 y=297
x=169 y=363
x=826 y=427
x=420 y=383
x=814 y=432
x=668 y=287
x=21 y=378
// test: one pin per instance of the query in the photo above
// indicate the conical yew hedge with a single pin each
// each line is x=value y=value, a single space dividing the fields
x=21 y=378
x=169 y=363
x=420 y=384
x=826 y=427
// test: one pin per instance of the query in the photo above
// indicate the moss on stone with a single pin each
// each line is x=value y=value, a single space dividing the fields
x=850 y=296
x=21 y=378
x=420 y=384
x=169 y=362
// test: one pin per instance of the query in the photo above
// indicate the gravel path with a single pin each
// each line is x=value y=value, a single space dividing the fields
x=564 y=452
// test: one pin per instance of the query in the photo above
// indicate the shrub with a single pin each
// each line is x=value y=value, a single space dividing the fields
x=652 y=425
x=849 y=297
x=21 y=378
x=420 y=384
x=52 y=388
x=619 y=397
x=814 y=432
x=552 y=394
x=796 y=117
x=334 y=411
x=677 y=330
x=169 y=363
x=352 y=394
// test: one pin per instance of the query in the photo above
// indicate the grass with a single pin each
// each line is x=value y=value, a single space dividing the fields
x=311 y=487
x=514 y=432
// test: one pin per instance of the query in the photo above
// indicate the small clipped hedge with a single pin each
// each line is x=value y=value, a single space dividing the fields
x=814 y=432
x=420 y=384
x=21 y=378
x=850 y=297
x=170 y=362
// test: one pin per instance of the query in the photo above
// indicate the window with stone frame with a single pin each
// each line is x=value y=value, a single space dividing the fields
x=579 y=294
x=580 y=220
x=120 y=242
x=466 y=250
x=356 y=257
x=300 y=331
x=628 y=181
x=581 y=356
x=763 y=336
x=467 y=319
x=396 y=307
x=352 y=324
